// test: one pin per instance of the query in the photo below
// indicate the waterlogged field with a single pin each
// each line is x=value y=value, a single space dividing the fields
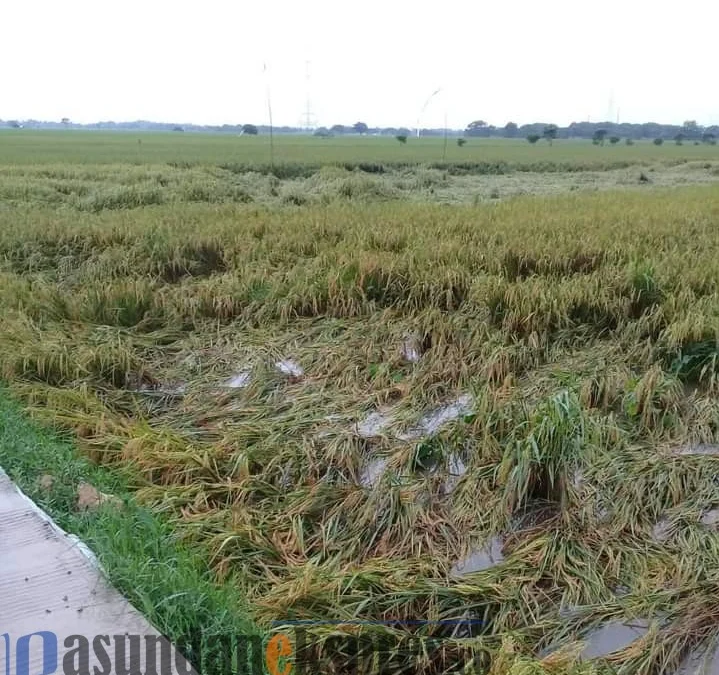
x=364 y=408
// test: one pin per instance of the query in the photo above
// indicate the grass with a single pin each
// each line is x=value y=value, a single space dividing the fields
x=164 y=579
x=582 y=325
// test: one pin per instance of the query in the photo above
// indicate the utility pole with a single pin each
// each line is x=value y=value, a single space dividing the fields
x=444 y=147
x=269 y=110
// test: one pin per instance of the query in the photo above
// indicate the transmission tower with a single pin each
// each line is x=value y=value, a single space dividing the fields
x=610 y=106
x=308 y=117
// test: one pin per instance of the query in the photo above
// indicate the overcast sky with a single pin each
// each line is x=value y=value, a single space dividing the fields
x=376 y=61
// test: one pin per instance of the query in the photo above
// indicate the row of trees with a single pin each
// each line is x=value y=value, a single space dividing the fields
x=690 y=131
x=551 y=131
x=598 y=132
x=250 y=129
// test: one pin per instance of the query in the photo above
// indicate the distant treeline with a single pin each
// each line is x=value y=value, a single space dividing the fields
x=690 y=130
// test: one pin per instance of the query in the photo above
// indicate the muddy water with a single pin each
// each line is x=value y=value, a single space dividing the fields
x=613 y=637
x=411 y=349
x=710 y=518
x=290 y=368
x=373 y=425
x=238 y=381
x=430 y=423
x=373 y=472
x=481 y=559
x=170 y=390
x=456 y=468
x=661 y=530
x=699 y=449
x=701 y=661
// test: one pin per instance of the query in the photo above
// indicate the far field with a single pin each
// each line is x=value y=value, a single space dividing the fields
x=90 y=147
x=393 y=393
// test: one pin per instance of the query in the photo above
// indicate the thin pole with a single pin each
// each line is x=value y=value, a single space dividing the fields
x=424 y=107
x=444 y=149
x=269 y=110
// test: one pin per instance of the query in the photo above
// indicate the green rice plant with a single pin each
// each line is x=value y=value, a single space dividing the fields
x=544 y=451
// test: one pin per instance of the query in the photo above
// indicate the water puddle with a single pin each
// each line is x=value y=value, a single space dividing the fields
x=571 y=612
x=290 y=368
x=169 y=390
x=411 y=349
x=481 y=559
x=661 y=530
x=613 y=637
x=603 y=514
x=373 y=425
x=578 y=480
x=430 y=423
x=238 y=381
x=703 y=660
x=699 y=449
x=710 y=518
x=372 y=473
x=377 y=422
x=456 y=468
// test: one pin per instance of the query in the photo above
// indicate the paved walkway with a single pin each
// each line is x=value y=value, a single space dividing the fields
x=50 y=582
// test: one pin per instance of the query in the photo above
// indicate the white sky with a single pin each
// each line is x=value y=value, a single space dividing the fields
x=376 y=61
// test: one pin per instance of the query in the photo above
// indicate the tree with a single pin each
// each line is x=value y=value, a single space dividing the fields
x=360 y=128
x=533 y=138
x=599 y=136
x=629 y=141
x=65 y=121
x=658 y=141
x=550 y=132
x=13 y=124
x=177 y=129
x=510 y=130
x=322 y=132
x=614 y=140
x=249 y=129
x=402 y=138
x=338 y=129
x=461 y=141
x=709 y=138
x=691 y=129
x=476 y=128
x=679 y=138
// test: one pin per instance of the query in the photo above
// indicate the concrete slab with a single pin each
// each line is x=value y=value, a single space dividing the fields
x=50 y=582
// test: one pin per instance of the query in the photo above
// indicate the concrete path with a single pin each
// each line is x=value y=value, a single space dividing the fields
x=50 y=582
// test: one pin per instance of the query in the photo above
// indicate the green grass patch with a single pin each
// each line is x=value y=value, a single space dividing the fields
x=164 y=579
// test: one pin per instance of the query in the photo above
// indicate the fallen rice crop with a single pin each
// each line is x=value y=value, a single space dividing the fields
x=551 y=430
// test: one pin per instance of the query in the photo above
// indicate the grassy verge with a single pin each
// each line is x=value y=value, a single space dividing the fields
x=168 y=582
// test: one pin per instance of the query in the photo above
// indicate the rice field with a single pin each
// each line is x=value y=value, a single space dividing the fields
x=37 y=147
x=365 y=404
